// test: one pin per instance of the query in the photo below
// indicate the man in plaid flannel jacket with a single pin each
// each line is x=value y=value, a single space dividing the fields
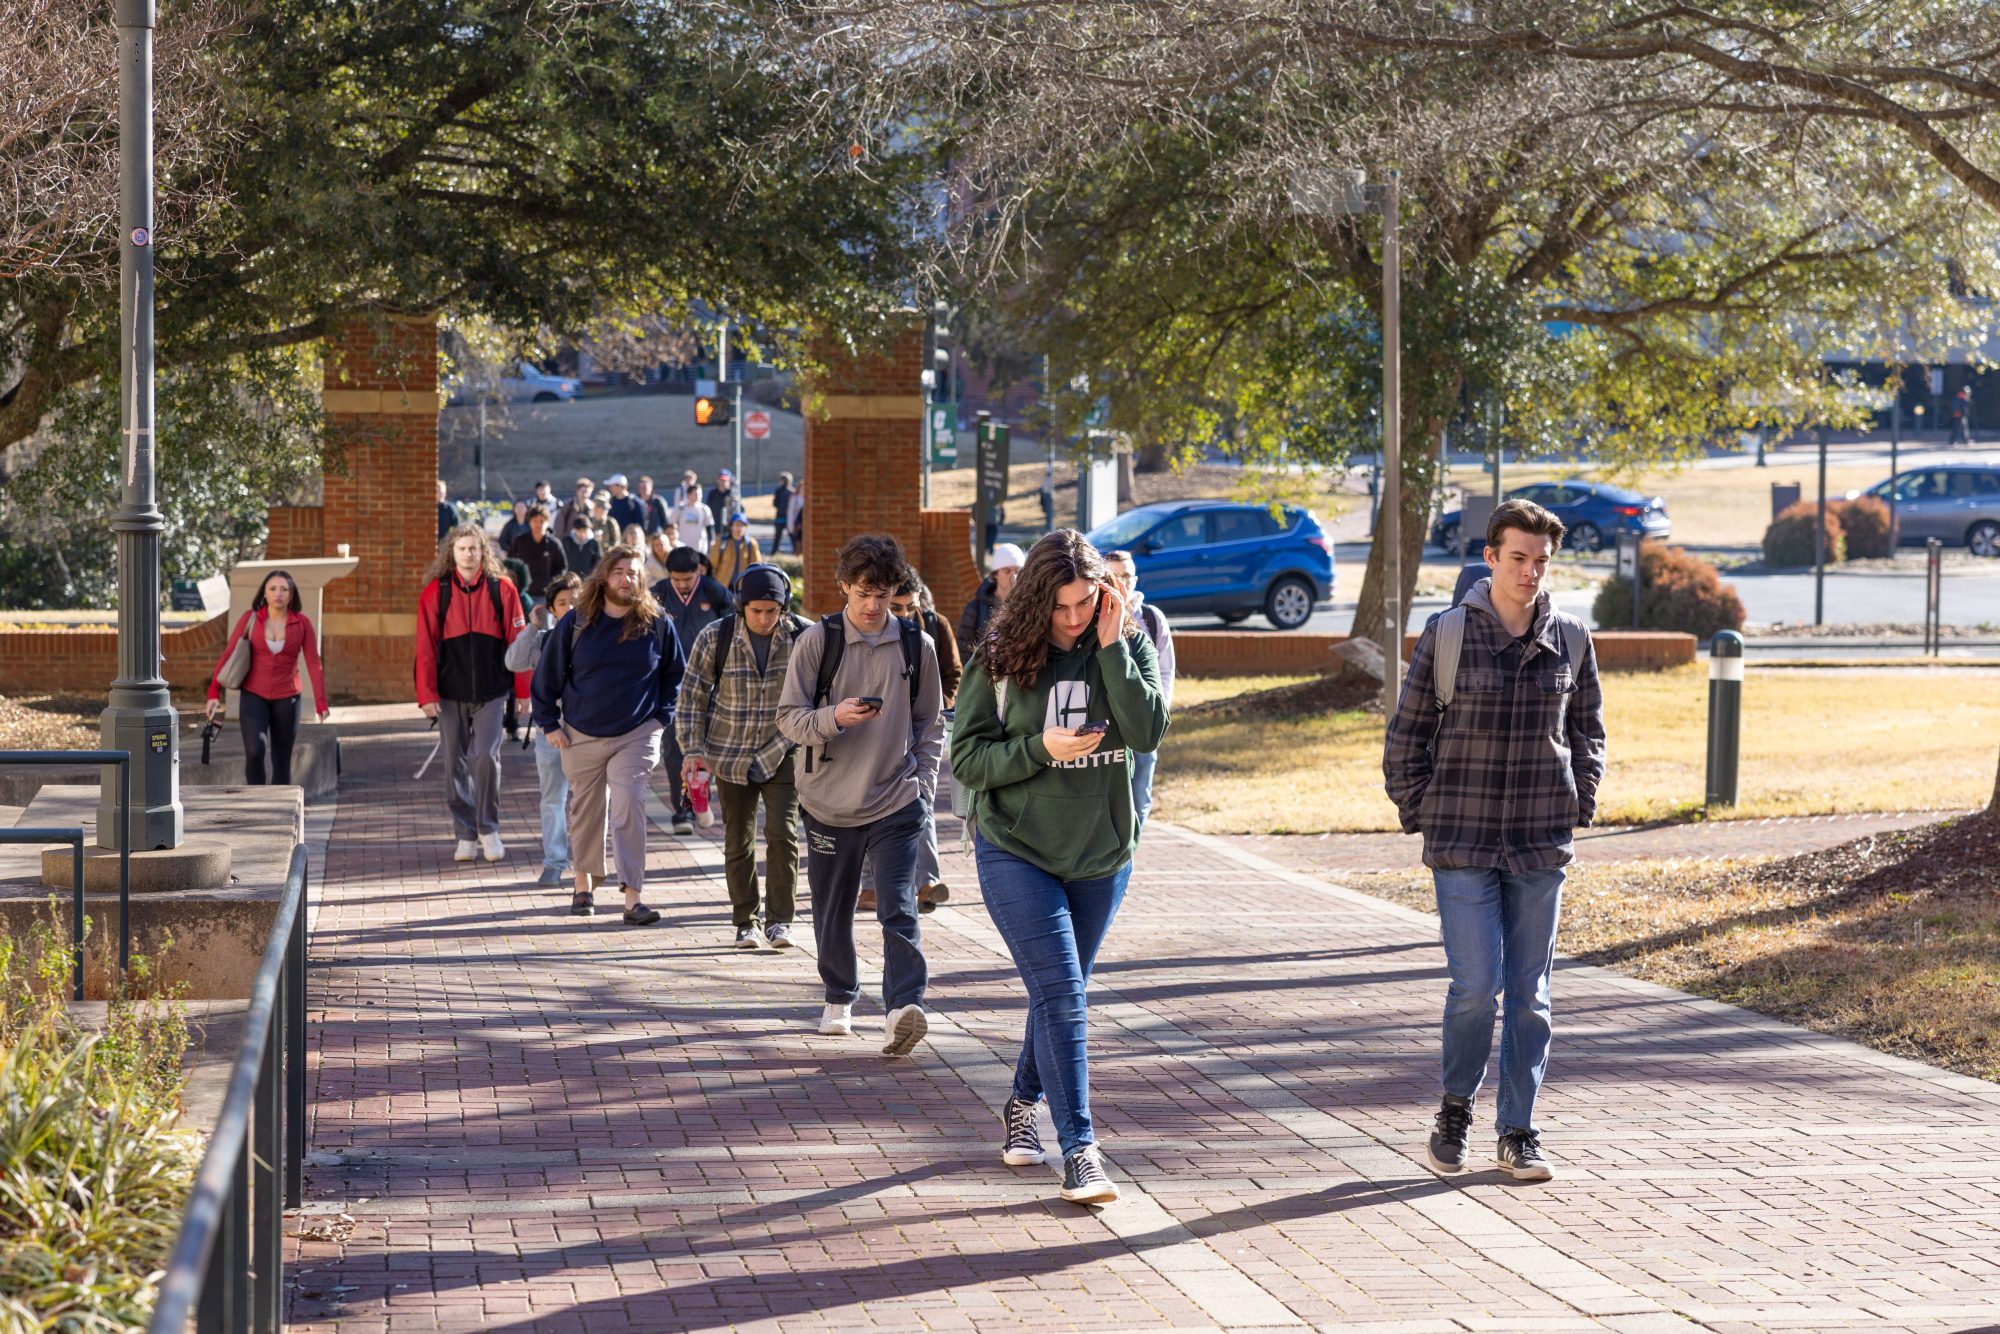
x=1496 y=782
x=727 y=723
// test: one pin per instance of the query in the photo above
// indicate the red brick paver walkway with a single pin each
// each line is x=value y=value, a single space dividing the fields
x=541 y=1122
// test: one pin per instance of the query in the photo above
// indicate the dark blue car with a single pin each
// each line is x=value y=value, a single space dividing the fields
x=1225 y=558
x=1593 y=513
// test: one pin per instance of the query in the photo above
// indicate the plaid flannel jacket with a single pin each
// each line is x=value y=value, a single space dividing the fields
x=1502 y=777
x=730 y=716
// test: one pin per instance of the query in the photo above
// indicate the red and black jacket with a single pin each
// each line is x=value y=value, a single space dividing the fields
x=462 y=638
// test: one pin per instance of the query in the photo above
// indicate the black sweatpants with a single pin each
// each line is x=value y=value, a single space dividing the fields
x=277 y=719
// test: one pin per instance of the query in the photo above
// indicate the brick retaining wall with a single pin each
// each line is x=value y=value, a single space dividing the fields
x=1251 y=653
x=83 y=659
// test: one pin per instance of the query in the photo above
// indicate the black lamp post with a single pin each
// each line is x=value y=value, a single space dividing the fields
x=139 y=717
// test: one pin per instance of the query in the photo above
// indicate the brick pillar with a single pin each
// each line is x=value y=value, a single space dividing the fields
x=864 y=453
x=381 y=405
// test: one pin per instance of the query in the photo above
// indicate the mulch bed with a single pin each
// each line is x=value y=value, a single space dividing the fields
x=1343 y=693
x=49 y=722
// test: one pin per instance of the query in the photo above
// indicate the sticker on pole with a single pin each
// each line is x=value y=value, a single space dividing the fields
x=141 y=237
x=757 y=424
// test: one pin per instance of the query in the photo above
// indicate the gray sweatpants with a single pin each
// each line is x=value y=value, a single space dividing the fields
x=607 y=777
x=470 y=744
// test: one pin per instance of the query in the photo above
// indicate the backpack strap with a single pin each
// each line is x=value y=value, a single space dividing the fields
x=912 y=636
x=1445 y=654
x=1576 y=639
x=833 y=646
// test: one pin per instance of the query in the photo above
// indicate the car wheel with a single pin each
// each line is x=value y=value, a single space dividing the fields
x=1448 y=537
x=1232 y=617
x=1289 y=604
x=1984 y=538
x=1586 y=537
x=544 y=396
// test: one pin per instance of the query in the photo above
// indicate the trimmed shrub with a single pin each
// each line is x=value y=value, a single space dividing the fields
x=1865 y=520
x=1788 y=542
x=1681 y=592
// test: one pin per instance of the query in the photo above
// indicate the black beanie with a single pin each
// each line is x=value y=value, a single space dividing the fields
x=763 y=583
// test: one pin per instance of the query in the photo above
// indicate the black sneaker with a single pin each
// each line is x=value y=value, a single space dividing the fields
x=1084 y=1179
x=581 y=904
x=1024 y=1142
x=640 y=915
x=1448 y=1132
x=1520 y=1155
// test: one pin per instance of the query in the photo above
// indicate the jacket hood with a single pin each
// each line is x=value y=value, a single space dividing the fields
x=1480 y=596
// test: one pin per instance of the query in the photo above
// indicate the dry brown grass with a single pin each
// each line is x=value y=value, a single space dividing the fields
x=1892 y=940
x=1815 y=742
x=955 y=489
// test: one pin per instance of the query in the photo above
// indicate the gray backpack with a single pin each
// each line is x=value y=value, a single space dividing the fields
x=1451 y=642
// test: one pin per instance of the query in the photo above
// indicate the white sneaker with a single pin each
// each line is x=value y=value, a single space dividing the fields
x=491 y=847
x=749 y=938
x=903 y=1029
x=837 y=1021
x=466 y=850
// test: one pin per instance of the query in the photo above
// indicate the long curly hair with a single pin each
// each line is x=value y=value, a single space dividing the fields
x=1017 y=640
x=444 y=564
x=646 y=609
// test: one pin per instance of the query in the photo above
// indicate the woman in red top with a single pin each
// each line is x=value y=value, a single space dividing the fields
x=279 y=636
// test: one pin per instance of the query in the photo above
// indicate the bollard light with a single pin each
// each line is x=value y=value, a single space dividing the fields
x=1725 y=716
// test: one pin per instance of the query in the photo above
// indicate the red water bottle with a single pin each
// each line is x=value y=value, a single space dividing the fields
x=698 y=798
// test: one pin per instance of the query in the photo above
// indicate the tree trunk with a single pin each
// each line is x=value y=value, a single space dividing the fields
x=1151 y=458
x=1420 y=452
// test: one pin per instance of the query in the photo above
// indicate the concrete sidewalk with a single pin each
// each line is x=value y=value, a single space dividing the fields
x=532 y=1121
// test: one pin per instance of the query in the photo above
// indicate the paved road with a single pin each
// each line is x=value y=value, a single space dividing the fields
x=535 y=1122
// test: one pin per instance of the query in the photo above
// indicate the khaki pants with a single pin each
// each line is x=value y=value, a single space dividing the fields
x=610 y=772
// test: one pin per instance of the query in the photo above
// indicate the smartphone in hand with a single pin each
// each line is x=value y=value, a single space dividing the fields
x=872 y=701
x=1093 y=729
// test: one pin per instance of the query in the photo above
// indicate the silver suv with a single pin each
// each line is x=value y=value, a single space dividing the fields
x=1957 y=503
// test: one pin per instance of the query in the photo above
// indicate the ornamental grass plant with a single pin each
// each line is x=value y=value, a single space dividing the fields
x=94 y=1167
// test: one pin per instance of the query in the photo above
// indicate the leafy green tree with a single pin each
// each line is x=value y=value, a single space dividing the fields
x=535 y=166
x=1608 y=262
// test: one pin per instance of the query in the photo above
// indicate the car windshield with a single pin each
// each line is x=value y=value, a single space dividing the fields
x=1125 y=530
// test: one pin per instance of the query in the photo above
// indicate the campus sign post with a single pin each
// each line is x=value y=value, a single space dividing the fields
x=139 y=717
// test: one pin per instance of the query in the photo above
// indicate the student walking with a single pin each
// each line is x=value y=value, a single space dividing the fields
x=280 y=637
x=467 y=615
x=737 y=552
x=727 y=724
x=540 y=551
x=913 y=603
x=524 y=655
x=1004 y=566
x=1494 y=756
x=1049 y=715
x=604 y=696
x=861 y=699
x=581 y=549
x=1125 y=574
x=691 y=601
x=781 y=511
x=693 y=524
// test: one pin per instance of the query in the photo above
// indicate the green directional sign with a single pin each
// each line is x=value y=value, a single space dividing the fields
x=941 y=425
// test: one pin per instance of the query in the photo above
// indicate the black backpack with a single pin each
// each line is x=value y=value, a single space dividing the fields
x=446 y=584
x=830 y=654
x=725 y=636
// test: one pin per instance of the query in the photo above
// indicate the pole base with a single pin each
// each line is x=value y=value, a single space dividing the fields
x=150 y=733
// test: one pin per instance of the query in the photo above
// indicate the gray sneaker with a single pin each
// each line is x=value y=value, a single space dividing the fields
x=1446 y=1150
x=780 y=936
x=1519 y=1154
x=749 y=938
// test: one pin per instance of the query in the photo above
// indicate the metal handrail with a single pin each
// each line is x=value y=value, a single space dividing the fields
x=123 y=759
x=227 y=1267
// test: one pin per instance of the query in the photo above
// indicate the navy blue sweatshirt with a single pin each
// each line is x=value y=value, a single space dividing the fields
x=606 y=686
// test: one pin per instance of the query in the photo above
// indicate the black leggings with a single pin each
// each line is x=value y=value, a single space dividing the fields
x=280 y=718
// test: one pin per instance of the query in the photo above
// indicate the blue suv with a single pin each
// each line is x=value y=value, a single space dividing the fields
x=1593 y=513
x=1227 y=558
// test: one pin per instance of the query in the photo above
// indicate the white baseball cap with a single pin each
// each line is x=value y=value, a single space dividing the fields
x=1008 y=556
x=615 y=479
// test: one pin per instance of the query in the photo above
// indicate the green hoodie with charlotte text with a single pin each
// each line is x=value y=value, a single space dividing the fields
x=1075 y=819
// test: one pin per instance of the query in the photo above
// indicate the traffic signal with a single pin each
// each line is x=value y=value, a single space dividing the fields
x=711 y=410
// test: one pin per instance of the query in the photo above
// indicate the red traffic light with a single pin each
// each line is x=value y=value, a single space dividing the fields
x=711 y=410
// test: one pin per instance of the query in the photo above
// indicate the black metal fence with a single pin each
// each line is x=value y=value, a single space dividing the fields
x=227 y=1269
x=74 y=837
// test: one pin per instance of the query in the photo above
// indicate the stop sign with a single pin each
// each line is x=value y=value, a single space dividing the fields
x=756 y=425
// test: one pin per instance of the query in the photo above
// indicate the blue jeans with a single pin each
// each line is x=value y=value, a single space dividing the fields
x=1053 y=929
x=1499 y=931
x=555 y=804
x=1143 y=763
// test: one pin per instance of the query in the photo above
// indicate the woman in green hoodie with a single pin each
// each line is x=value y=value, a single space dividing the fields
x=1059 y=695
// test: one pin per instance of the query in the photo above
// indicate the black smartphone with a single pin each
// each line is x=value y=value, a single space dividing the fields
x=872 y=701
x=1093 y=729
